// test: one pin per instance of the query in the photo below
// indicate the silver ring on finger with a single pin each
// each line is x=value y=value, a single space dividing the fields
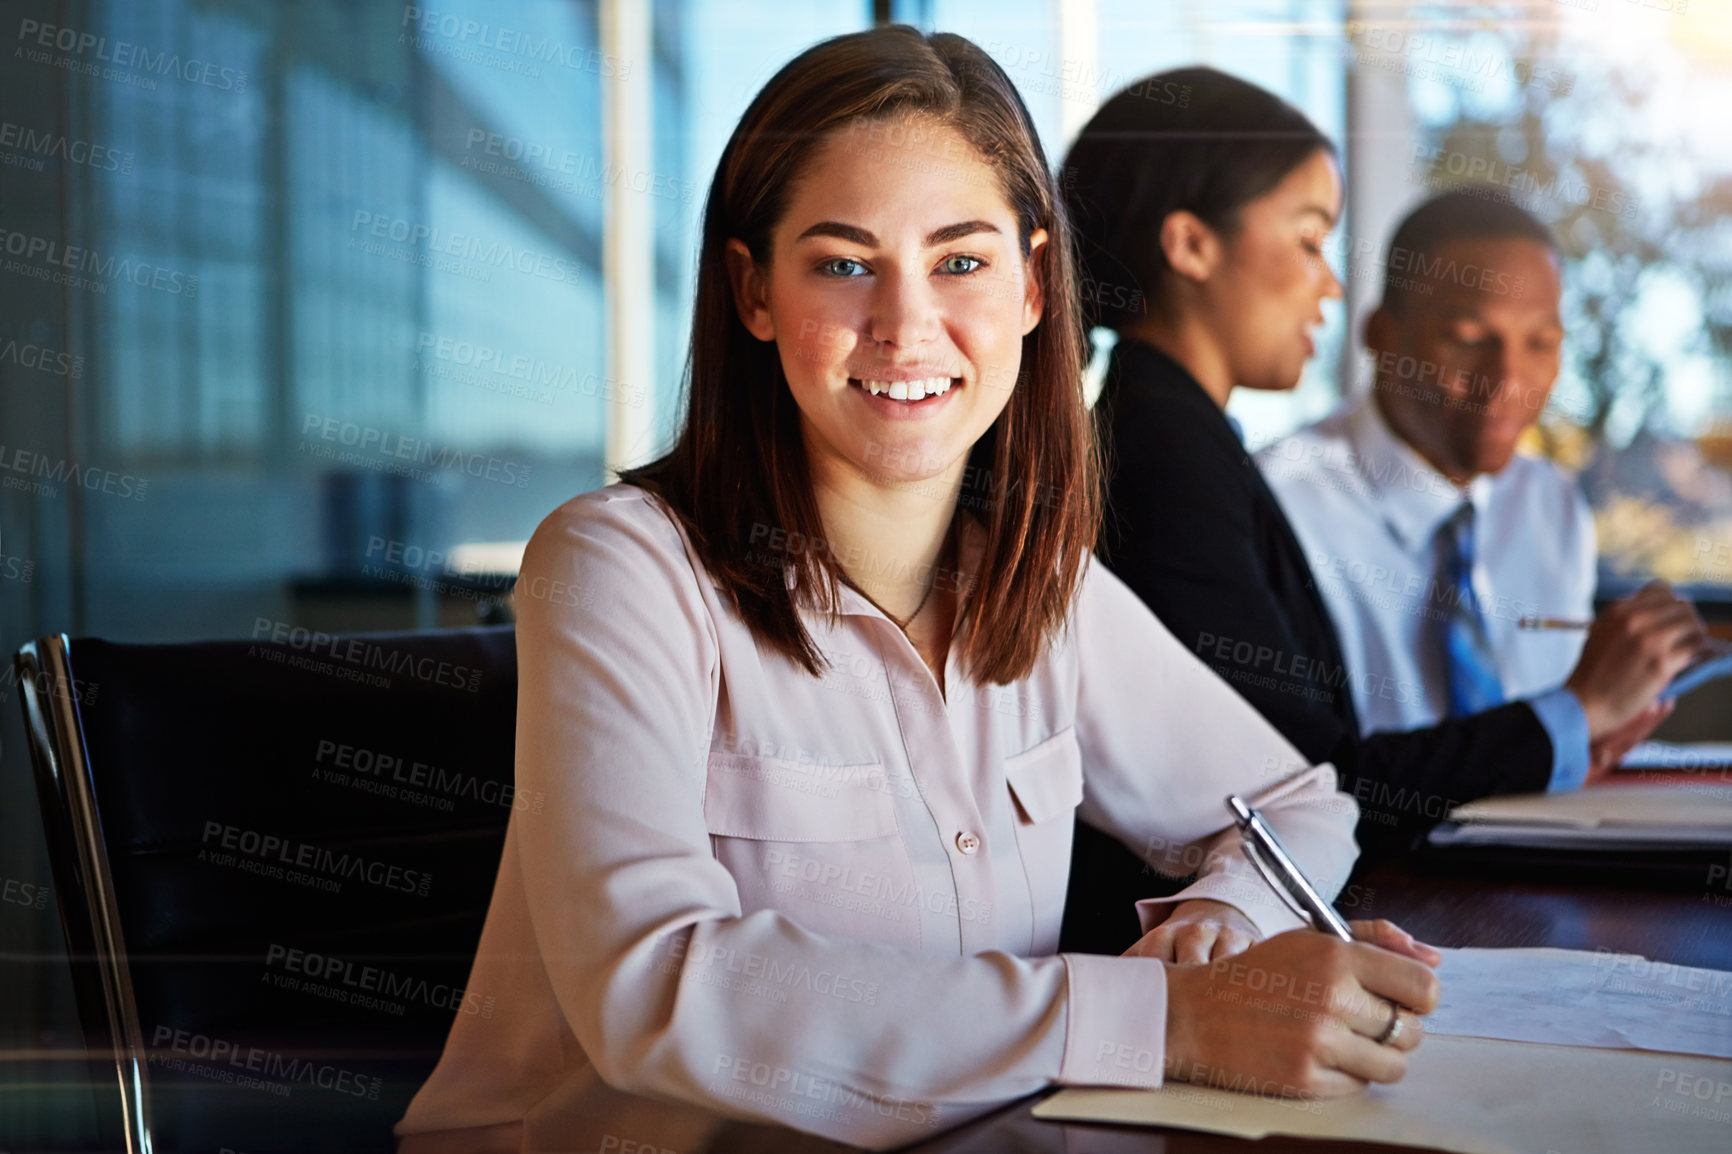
x=1392 y=1031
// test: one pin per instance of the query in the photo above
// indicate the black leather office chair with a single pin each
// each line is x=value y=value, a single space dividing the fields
x=273 y=859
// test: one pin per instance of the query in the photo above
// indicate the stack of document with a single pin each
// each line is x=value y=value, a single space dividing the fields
x=1529 y=1051
x=1694 y=815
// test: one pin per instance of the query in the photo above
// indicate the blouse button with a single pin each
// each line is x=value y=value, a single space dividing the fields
x=968 y=842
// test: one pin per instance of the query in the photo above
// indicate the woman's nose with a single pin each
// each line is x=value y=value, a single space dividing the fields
x=904 y=312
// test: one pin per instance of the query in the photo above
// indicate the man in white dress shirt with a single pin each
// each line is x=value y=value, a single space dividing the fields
x=1429 y=537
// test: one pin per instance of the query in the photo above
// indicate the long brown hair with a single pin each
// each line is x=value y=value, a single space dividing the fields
x=739 y=464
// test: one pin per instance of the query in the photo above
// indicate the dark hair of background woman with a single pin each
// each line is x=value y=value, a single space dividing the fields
x=1190 y=140
x=739 y=466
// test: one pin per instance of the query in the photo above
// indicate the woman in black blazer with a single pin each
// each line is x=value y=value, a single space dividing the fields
x=1201 y=204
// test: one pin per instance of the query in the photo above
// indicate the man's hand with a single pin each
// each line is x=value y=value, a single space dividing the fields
x=1605 y=754
x=1634 y=648
x=1196 y=932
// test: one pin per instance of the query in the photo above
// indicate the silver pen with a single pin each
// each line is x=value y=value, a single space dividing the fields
x=1282 y=873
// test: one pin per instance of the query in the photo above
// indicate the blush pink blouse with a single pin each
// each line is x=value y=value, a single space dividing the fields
x=747 y=894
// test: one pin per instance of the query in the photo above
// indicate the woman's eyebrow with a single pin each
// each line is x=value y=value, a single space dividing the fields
x=952 y=232
x=840 y=231
x=856 y=235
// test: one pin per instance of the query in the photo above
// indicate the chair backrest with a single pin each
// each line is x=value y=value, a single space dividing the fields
x=288 y=852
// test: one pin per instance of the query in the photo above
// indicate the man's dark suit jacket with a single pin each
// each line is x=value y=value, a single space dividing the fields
x=1194 y=530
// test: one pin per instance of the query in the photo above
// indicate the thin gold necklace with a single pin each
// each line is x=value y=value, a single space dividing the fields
x=932 y=584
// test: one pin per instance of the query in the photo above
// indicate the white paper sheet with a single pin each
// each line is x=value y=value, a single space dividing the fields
x=1471 y=1096
x=1575 y=998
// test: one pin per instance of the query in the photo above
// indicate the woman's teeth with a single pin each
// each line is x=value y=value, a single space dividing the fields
x=908 y=390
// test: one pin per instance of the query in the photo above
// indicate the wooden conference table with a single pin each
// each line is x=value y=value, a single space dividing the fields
x=1673 y=920
x=1683 y=916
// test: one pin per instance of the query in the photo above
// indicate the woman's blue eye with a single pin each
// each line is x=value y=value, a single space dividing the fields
x=843 y=266
x=959 y=265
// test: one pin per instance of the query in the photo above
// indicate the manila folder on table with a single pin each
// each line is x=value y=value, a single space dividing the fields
x=1471 y=1095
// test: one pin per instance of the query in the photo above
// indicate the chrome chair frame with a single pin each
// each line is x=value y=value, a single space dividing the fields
x=89 y=914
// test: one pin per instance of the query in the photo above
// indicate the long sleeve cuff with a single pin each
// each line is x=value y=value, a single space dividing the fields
x=1303 y=800
x=1116 y=1034
x=1244 y=891
x=1564 y=722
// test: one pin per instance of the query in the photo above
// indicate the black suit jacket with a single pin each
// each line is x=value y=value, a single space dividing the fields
x=1194 y=530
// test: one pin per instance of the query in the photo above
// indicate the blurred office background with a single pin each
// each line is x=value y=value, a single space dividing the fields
x=357 y=291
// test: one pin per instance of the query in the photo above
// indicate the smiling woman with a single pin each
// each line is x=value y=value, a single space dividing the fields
x=919 y=310
x=813 y=738
x=870 y=246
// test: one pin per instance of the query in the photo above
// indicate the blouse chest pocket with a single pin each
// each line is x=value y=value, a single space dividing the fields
x=819 y=844
x=771 y=799
x=1046 y=786
x=1047 y=780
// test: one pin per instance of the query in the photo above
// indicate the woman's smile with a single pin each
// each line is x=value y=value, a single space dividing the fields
x=906 y=398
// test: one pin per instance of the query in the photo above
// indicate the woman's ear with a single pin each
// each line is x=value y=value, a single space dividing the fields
x=1191 y=247
x=1034 y=288
x=751 y=291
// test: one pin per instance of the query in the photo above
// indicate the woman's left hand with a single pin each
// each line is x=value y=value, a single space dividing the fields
x=1197 y=932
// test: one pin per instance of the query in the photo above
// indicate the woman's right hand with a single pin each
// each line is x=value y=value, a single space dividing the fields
x=1296 y=1016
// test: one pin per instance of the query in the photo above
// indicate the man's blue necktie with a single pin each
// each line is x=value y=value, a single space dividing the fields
x=1473 y=681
